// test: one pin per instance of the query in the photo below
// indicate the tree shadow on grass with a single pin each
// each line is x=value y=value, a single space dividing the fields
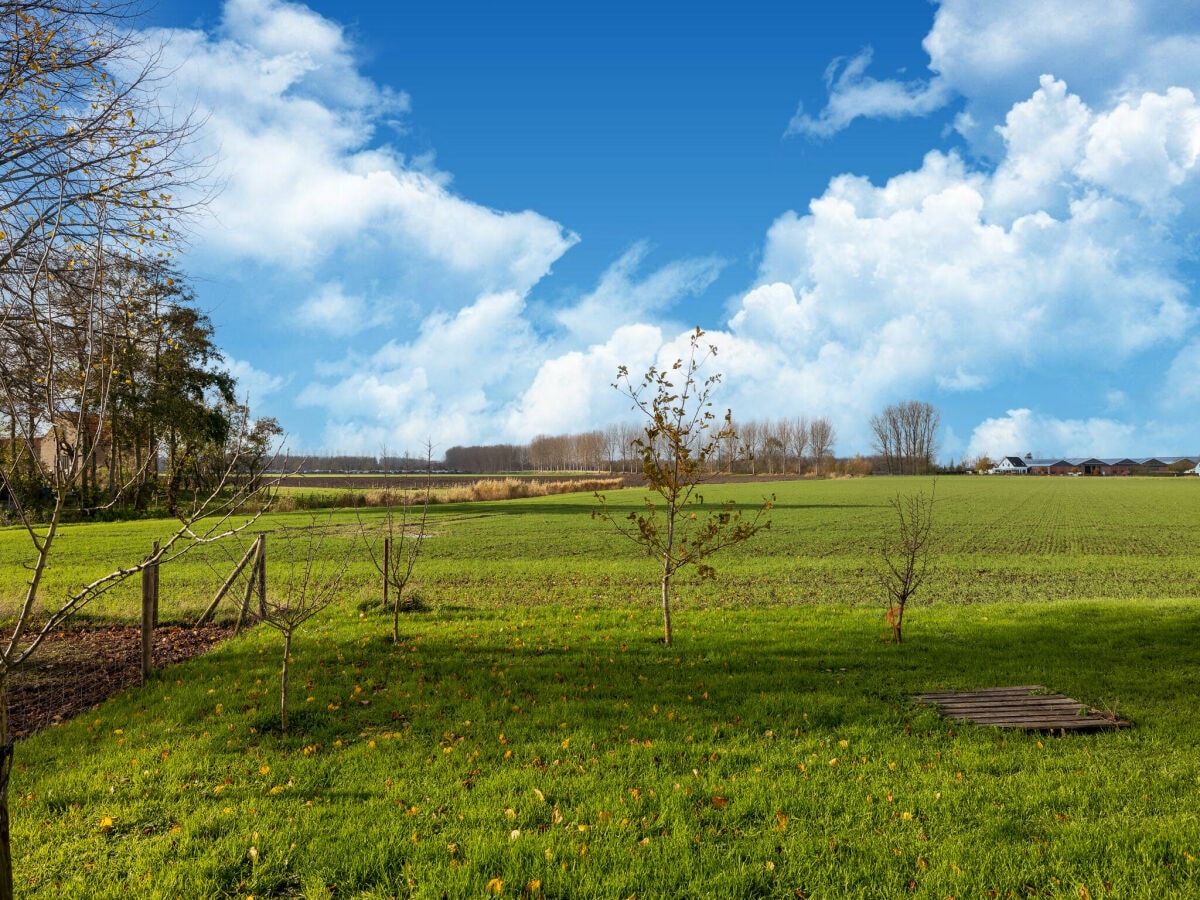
x=781 y=678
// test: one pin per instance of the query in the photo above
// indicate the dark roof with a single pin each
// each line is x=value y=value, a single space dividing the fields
x=1076 y=461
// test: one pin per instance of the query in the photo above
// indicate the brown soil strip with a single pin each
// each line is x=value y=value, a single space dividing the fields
x=76 y=670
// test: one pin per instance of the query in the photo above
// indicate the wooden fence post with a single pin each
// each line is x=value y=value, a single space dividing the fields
x=262 y=575
x=149 y=613
x=155 y=570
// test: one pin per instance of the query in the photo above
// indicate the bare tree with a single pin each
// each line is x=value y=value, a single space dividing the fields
x=775 y=444
x=681 y=436
x=821 y=440
x=904 y=554
x=905 y=436
x=87 y=144
x=798 y=440
x=751 y=435
x=312 y=576
x=589 y=451
x=394 y=550
x=612 y=446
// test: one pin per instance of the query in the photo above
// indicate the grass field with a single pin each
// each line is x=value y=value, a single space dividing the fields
x=531 y=736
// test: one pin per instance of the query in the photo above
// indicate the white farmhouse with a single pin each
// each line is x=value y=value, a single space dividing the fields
x=1011 y=465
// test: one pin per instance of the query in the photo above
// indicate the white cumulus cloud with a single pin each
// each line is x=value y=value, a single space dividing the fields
x=333 y=311
x=954 y=277
x=297 y=132
x=992 y=54
x=1022 y=431
x=622 y=297
x=449 y=384
x=253 y=384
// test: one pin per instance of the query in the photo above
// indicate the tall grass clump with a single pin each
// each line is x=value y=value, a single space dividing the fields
x=483 y=490
x=519 y=489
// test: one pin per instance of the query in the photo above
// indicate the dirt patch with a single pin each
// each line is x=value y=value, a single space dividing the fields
x=78 y=669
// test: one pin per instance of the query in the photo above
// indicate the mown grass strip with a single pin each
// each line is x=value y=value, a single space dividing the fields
x=768 y=751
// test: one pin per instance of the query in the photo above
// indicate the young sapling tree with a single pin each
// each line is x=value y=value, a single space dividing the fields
x=681 y=439
x=396 y=545
x=312 y=570
x=904 y=554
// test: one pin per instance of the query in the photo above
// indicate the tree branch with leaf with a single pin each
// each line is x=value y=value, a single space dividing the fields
x=681 y=439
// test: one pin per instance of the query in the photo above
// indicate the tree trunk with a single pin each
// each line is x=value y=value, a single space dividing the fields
x=387 y=560
x=283 y=682
x=666 y=605
x=6 y=756
x=139 y=494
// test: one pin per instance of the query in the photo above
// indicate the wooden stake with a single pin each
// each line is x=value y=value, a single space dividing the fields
x=148 y=603
x=155 y=569
x=257 y=549
x=212 y=607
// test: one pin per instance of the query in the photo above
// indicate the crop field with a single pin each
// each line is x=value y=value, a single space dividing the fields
x=531 y=736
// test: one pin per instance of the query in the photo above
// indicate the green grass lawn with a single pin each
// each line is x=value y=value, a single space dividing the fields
x=532 y=737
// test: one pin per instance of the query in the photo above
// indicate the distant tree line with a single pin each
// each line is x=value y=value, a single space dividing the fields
x=110 y=367
x=796 y=446
x=350 y=463
x=905 y=443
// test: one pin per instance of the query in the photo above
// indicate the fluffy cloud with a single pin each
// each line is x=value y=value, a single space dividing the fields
x=950 y=277
x=853 y=95
x=572 y=392
x=305 y=173
x=621 y=298
x=333 y=311
x=484 y=374
x=253 y=383
x=1181 y=387
x=445 y=385
x=1022 y=431
x=992 y=55
x=1146 y=148
x=1063 y=245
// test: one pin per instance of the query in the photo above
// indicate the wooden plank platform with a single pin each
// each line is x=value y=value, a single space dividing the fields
x=1029 y=707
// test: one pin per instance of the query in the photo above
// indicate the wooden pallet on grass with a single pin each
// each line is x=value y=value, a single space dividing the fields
x=1029 y=707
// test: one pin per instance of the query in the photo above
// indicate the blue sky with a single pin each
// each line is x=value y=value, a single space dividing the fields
x=454 y=221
